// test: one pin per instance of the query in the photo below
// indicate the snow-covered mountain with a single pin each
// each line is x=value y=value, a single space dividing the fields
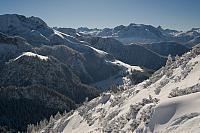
x=85 y=30
x=188 y=36
x=38 y=33
x=128 y=34
x=86 y=62
x=168 y=32
x=34 y=29
x=142 y=34
x=43 y=66
x=166 y=102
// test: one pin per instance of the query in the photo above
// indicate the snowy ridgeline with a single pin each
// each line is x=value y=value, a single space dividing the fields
x=32 y=55
x=167 y=102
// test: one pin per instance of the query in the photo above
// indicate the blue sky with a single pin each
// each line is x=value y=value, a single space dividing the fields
x=175 y=14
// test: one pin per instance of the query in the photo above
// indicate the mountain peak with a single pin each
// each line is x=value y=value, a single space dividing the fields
x=14 y=23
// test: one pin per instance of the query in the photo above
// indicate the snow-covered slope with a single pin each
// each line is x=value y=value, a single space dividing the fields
x=123 y=77
x=168 y=32
x=167 y=102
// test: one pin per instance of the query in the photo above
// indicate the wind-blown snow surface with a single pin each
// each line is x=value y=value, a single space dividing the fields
x=167 y=102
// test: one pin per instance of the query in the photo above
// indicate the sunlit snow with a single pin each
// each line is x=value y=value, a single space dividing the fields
x=33 y=55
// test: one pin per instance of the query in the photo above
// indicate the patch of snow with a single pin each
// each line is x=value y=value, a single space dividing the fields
x=120 y=63
x=32 y=55
x=59 y=34
x=98 y=51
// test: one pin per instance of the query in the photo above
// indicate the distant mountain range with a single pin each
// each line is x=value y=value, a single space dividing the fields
x=140 y=33
x=70 y=66
x=128 y=34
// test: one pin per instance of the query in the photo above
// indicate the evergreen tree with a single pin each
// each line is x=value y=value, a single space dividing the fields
x=58 y=116
x=51 y=120
x=169 y=60
x=177 y=58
